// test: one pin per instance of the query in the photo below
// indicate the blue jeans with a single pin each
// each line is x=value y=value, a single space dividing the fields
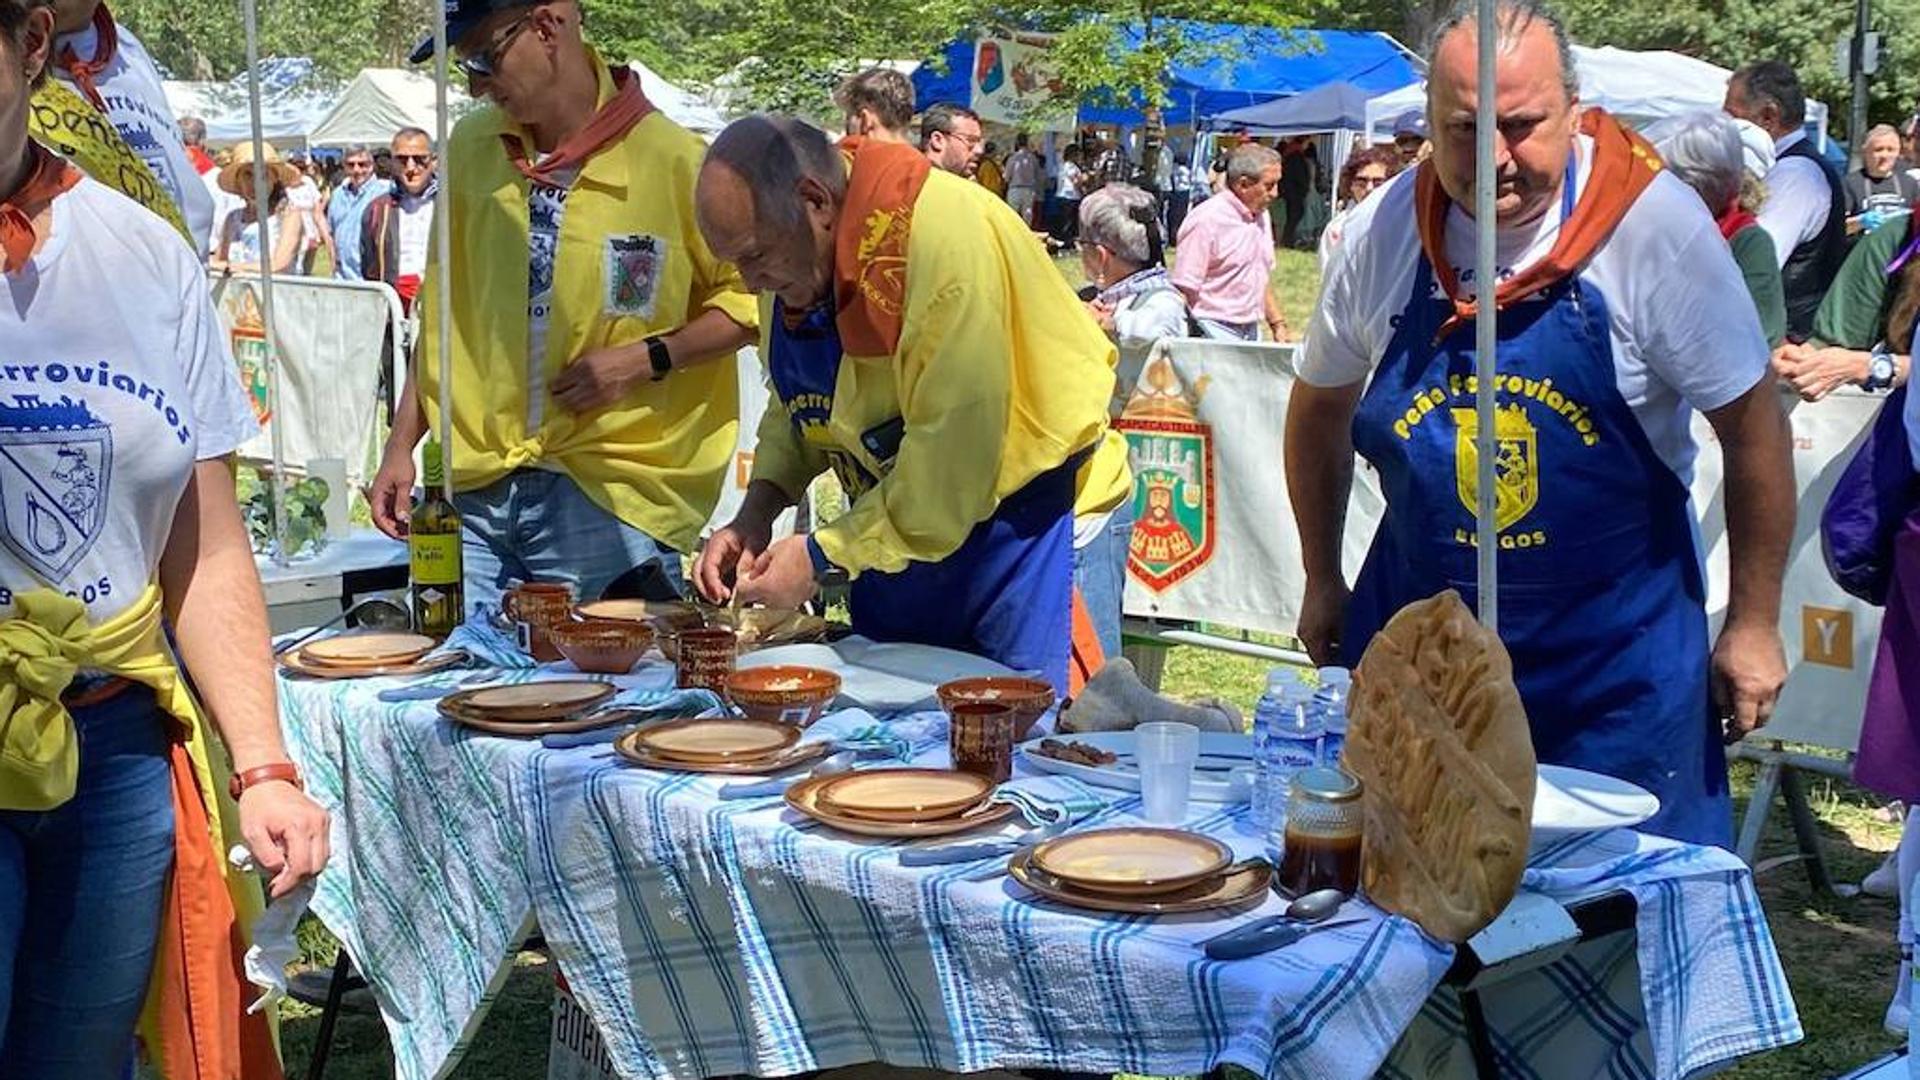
x=1100 y=573
x=536 y=525
x=81 y=888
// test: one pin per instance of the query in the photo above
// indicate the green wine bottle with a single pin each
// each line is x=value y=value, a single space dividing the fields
x=433 y=549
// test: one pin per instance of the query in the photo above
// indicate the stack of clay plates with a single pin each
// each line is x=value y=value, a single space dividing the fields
x=718 y=744
x=534 y=708
x=360 y=654
x=1140 y=871
x=899 y=802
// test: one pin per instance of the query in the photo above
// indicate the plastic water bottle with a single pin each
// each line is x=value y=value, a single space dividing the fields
x=1330 y=705
x=1285 y=740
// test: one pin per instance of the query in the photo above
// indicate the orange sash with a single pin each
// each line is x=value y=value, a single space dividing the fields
x=47 y=177
x=1623 y=165
x=870 y=244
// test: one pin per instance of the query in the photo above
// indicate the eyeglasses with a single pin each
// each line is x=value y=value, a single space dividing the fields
x=413 y=159
x=480 y=65
x=968 y=141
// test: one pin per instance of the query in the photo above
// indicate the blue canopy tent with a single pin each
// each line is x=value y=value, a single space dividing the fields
x=1266 y=64
x=1337 y=106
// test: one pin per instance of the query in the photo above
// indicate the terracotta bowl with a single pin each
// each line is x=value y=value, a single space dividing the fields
x=602 y=646
x=1029 y=698
x=783 y=693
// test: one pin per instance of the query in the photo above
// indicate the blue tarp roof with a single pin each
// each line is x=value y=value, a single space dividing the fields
x=1268 y=64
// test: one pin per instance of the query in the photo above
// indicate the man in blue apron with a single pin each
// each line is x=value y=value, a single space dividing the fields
x=964 y=418
x=1621 y=312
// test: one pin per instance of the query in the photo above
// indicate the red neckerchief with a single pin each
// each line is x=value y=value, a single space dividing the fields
x=870 y=243
x=104 y=50
x=47 y=177
x=627 y=107
x=1623 y=165
x=1733 y=220
x=203 y=162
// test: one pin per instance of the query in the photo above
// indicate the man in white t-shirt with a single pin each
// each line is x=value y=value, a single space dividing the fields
x=1622 y=312
x=397 y=229
x=1023 y=178
x=108 y=66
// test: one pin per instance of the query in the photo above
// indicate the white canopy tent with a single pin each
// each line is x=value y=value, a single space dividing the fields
x=1638 y=87
x=682 y=106
x=379 y=102
x=285 y=117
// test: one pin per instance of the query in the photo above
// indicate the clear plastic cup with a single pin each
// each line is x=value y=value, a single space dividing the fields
x=1167 y=752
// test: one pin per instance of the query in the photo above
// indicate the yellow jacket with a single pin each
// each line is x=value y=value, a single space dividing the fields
x=1000 y=375
x=656 y=459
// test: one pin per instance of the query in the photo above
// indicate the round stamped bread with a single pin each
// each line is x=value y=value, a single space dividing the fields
x=1438 y=734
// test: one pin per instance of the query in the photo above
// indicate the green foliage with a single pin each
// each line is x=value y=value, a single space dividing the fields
x=205 y=39
x=306 y=511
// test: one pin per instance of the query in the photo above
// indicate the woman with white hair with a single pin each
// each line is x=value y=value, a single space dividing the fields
x=1120 y=249
x=1704 y=149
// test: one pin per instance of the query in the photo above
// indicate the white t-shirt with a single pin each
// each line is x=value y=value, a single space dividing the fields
x=225 y=204
x=1069 y=186
x=115 y=378
x=137 y=108
x=304 y=199
x=546 y=206
x=1685 y=334
x=1798 y=199
x=1023 y=170
x=241 y=239
x=416 y=232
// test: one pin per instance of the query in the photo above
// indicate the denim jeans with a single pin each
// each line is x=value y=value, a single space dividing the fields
x=537 y=525
x=81 y=887
x=1100 y=573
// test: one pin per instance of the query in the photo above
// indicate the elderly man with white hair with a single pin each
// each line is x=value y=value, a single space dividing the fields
x=1120 y=250
x=1705 y=149
x=1223 y=261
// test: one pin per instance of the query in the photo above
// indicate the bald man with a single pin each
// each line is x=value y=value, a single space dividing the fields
x=966 y=419
x=1622 y=313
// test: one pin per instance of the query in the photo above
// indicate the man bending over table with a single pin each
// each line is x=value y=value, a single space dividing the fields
x=964 y=417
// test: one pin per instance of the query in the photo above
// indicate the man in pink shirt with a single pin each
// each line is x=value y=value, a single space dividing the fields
x=1224 y=261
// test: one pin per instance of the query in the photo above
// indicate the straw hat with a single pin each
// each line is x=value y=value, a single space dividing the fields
x=237 y=177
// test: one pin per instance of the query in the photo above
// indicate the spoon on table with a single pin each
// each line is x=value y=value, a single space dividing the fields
x=1276 y=931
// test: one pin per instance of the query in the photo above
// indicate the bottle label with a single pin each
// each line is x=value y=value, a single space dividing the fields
x=435 y=560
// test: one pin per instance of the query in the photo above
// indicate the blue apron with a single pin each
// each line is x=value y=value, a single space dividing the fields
x=1602 y=604
x=1006 y=593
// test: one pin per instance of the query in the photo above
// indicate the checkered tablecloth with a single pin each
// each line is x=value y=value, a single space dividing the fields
x=708 y=937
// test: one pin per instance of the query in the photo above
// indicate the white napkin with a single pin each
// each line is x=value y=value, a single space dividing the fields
x=273 y=944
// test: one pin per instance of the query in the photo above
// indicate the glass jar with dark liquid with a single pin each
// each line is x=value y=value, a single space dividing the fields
x=1321 y=846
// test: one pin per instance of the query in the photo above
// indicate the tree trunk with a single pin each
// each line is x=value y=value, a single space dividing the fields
x=1153 y=138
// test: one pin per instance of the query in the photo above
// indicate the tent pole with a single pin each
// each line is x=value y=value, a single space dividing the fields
x=443 y=244
x=263 y=215
x=1485 y=279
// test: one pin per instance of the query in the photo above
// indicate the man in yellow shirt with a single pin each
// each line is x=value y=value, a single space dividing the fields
x=965 y=417
x=594 y=392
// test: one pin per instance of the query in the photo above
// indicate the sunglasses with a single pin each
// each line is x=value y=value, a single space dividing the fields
x=480 y=65
x=413 y=159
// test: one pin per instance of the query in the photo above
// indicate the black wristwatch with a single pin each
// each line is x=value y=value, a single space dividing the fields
x=659 y=358
x=1880 y=370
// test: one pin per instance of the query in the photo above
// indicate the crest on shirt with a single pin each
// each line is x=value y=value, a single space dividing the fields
x=55 y=460
x=1516 y=463
x=1171 y=453
x=634 y=263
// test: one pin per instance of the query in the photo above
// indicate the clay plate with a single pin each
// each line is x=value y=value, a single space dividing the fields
x=1242 y=883
x=803 y=797
x=534 y=701
x=630 y=747
x=295 y=660
x=717 y=739
x=903 y=794
x=1132 y=861
x=378 y=647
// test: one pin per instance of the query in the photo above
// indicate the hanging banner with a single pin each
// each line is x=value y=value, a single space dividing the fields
x=1215 y=539
x=330 y=337
x=1014 y=84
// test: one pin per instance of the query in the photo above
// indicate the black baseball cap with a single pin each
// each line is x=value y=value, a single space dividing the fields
x=462 y=16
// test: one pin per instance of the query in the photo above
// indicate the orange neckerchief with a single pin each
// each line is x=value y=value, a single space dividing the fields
x=627 y=107
x=870 y=243
x=104 y=50
x=1623 y=165
x=47 y=177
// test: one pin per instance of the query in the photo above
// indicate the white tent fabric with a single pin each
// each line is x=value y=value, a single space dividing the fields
x=378 y=102
x=1638 y=87
x=683 y=107
x=289 y=108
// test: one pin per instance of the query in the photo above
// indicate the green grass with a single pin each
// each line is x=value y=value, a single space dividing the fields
x=1839 y=953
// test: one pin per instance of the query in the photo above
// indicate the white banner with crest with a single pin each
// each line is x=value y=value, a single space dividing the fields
x=1215 y=539
x=1014 y=83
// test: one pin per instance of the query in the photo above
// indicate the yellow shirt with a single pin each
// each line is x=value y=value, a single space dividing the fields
x=992 y=177
x=630 y=263
x=1000 y=376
